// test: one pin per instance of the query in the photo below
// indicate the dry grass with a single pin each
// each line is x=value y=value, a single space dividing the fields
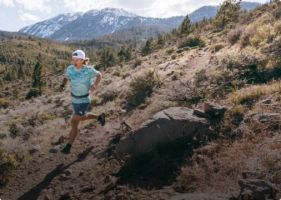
x=7 y=164
x=254 y=92
x=216 y=167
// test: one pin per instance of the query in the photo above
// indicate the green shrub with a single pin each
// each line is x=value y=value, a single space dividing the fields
x=192 y=41
x=33 y=92
x=142 y=87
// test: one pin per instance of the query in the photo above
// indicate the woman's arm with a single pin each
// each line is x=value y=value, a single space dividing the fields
x=64 y=81
x=96 y=83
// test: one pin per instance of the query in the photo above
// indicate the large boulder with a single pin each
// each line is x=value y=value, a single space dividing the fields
x=165 y=126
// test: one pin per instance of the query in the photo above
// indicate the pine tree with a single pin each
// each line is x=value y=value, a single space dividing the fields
x=124 y=54
x=228 y=12
x=185 y=27
x=36 y=87
x=36 y=77
x=107 y=58
x=147 y=49
x=161 y=41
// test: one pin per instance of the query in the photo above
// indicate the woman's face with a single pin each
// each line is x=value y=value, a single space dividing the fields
x=77 y=61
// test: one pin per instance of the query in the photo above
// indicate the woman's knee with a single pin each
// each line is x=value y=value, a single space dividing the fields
x=75 y=119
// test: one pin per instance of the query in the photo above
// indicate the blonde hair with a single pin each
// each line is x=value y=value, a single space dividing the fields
x=86 y=61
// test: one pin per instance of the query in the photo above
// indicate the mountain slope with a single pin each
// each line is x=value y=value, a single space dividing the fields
x=95 y=23
x=46 y=28
x=208 y=12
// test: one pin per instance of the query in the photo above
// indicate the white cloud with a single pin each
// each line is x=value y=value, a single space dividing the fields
x=35 y=5
x=150 y=8
x=27 y=17
x=85 y=5
x=32 y=5
x=7 y=2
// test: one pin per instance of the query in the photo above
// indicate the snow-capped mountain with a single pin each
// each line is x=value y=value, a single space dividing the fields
x=48 y=27
x=94 y=23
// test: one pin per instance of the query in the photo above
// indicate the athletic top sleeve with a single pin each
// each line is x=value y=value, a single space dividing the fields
x=93 y=71
x=66 y=72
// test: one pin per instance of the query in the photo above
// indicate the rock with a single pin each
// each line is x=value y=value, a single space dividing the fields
x=55 y=149
x=165 y=126
x=267 y=101
x=201 y=196
x=265 y=117
x=256 y=189
x=58 y=141
x=214 y=111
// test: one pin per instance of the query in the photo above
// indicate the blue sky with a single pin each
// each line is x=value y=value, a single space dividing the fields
x=16 y=14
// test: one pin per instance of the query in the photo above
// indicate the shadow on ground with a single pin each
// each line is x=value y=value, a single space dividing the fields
x=34 y=192
x=158 y=168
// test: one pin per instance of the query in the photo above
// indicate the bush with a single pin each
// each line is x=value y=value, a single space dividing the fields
x=33 y=92
x=170 y=51
x=141 y=88
x=192 y=41
x=217 y=47
x=4 y=103
x=7 y=164
x=234 y=35
x=15 y=130
x=246 y=66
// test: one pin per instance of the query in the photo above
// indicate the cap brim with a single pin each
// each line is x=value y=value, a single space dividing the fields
x=77 y=57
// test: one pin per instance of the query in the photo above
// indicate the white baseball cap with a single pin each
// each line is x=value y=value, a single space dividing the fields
x=79 y=54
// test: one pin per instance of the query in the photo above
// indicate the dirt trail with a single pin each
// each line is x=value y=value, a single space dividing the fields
x=87 y=173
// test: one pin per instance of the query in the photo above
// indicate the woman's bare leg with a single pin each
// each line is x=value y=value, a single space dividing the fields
x=74 y=128
x=89 y=116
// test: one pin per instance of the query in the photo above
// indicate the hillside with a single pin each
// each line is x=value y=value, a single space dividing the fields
x=19 y=55
x=220 y=76
x=207 y=12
